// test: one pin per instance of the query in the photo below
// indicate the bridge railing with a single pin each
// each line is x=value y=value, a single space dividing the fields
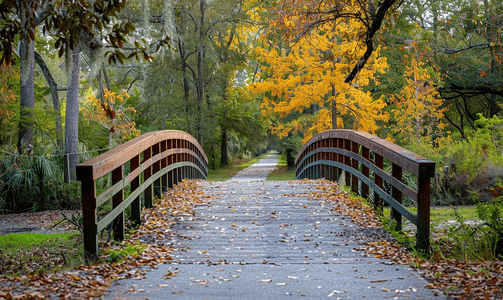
x=361 y=157
x=154 y=162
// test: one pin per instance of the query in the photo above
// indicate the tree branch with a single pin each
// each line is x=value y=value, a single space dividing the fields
x=371 y=31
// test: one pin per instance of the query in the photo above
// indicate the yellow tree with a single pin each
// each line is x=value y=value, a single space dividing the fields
x=419 y=112
x=309 y=76
x=112 y=114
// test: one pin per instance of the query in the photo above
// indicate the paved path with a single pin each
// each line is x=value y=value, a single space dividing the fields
x=259 y=170
x=262 y=239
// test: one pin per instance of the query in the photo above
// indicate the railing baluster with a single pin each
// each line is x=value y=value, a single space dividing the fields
x=147 y=195
x=89 y=217
x=135 y=183
x=396 y=173
x=365 y=172
x=347 y=161
x=423 y=213
x=378 y=162
x=155 y=168
x=164 y=164
x=340 y=158
x=354 y=164
x=118 y=223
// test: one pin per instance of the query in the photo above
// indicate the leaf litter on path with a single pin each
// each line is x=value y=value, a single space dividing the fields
x=459 y=279
x=86 y=282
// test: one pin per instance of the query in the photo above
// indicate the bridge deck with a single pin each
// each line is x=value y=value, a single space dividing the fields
x=260 y=239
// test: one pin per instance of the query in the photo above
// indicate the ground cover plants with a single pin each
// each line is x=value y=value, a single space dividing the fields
x=117 y=259
x=457 y=275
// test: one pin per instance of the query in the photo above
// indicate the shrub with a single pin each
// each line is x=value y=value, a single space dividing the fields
x=466 y=166
x=35 y=183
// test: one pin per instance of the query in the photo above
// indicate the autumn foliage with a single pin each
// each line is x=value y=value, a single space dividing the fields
x=419 y=108
x=307 y=76
x=112 y=114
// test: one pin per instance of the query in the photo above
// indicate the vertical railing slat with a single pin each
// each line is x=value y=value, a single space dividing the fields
x=423 y=213
x=136 y=204
x=365 y=172
x=147 y=194
x=347 y=161
x=89 y=217
x=378 y=162
x=118 y=223
x=396 y=173
x=354 y=164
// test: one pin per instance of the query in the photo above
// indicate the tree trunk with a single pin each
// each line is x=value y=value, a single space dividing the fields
x=334 y=108
x=72 y=120
x=200 y=81
x=55 y=98
x=224 y=149
x=27 y=91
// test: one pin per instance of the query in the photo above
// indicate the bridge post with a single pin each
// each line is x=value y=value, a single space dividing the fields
x=423 y=214
x=340 y=159
x=134 y=164
x=156 y=167
x=378 y=162
x=365 y=172
x=170 y=173
x=354 y=164
x=147 y=154
x=164 y=164
x=118 y=223
x=89 y=217
x=347 y=161
x=396 y=173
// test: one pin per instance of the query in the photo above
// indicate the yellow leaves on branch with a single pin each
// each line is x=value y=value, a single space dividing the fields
x=310 y=73
x=419 y=112
x=112 y=113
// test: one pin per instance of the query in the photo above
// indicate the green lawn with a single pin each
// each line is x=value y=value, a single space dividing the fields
x=441 y=214
x=25 y=248
x=222 y=174
x=282 y=172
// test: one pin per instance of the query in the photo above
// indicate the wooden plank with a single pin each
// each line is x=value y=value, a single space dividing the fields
x=118 y=222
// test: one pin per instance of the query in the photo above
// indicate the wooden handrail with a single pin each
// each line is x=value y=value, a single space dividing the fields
x=357 y=153
x=167 y=157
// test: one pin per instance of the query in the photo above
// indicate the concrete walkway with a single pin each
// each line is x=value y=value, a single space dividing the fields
x=259 y=170
x=262 y=239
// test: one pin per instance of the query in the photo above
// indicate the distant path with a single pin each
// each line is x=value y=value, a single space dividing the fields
x=261 y=239
x=259 y=170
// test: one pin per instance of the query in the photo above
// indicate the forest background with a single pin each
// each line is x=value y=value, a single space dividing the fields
x=78 y=78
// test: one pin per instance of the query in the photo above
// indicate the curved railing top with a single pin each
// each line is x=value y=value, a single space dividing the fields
x=107 y=162
x=413 y=163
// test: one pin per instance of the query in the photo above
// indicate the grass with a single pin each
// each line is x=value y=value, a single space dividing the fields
x=442 y=214
x=282 y=172
x=461 y=240
x=26 y=247
x=222 y=174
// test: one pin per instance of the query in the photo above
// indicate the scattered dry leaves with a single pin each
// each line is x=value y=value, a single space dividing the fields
x=92 y=281
x=456 y=278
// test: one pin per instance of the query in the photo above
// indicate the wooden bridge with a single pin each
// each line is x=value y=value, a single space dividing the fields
x=149 y=164
x=260 y=239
